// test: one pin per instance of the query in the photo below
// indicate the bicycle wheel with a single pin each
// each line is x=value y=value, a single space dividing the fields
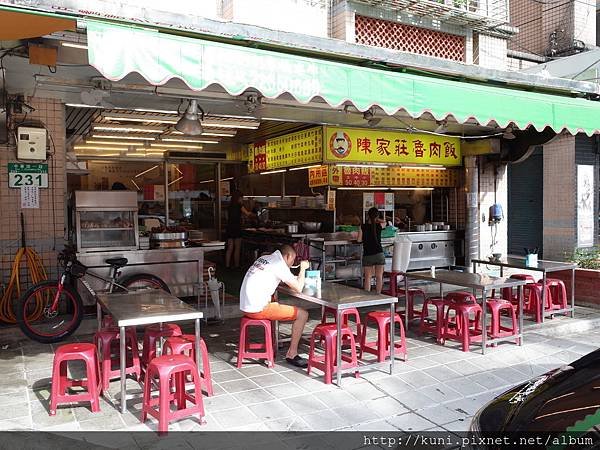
x=38 y=322
x=143 y=281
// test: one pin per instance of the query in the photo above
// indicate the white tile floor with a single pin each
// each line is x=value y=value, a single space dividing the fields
x=439 y=388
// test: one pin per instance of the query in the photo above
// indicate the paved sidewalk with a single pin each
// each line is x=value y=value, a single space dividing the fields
x=438 y=388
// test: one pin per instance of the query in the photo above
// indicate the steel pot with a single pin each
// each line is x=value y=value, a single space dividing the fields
x=311 y=227
x=292 y=228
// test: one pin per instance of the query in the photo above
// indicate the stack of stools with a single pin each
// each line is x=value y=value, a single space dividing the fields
x=61 y=382
x=171 y=371
x=558 y=293
x=381 y=347
x=465 y=324
x=107 y=342
x=186 y=345
x=346 y=315
x=429 y=325
x=255 y=350
x=327 y=362
x=152 y=336
x=413 y=293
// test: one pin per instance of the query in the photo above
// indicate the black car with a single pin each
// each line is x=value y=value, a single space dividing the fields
x=560 y=409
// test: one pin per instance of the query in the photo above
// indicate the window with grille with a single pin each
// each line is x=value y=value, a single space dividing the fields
x=407 y=38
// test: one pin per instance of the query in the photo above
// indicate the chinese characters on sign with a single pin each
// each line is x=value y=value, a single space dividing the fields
x=295 y=149
x=30 y=197
x=391 y=176
x=318 y=176
x=367 y=145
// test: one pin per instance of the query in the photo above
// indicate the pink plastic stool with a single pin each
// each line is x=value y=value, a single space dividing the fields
x=104 y=340
x=171 y=370
x=186 y=345
x=394 y=291
x=532 y=294
x=381 y=347
x=60 y=382
x=507 y=293
x=496 y=307
x=429 y=325
x=464 y=325
x=558 y=293
x=152 y=335
x=328 y=362
x=256 y=350
x=346 y=315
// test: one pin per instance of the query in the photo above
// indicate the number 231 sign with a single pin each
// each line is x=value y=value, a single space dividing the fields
x=23 y=174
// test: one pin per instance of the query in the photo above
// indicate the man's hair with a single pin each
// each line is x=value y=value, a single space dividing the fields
x=287 y=250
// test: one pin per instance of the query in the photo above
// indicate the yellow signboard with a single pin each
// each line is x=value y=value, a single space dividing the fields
x=295 y=149
x=392 y=176
x=317 y=176
x=347 y=145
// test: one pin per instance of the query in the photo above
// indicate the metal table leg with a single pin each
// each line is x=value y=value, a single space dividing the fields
x=572 y=293
x=474 y=267
x=197 y=341
x=99 y=315
x=123 y=348
x=543 y=300
x=484 y=320
x=520 y=294
x=392 y=329
x=405 y=302
x=338 y=345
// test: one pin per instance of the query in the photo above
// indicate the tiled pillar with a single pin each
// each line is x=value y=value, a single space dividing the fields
x=44 y=227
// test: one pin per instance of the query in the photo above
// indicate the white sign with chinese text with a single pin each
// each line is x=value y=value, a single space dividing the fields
x=30 y=197
x=585 y=206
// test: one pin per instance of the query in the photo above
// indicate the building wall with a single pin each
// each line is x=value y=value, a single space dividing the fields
x=44 y=227
x=560 y=190
x=492 y=239
x=584 y=22
x=490 y=51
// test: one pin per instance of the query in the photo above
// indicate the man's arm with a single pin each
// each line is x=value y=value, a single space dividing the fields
x=298 y=284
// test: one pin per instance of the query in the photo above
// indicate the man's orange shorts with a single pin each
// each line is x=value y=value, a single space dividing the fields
x=275 y=311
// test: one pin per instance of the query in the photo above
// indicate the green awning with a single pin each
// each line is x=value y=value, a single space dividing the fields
x=119 y=50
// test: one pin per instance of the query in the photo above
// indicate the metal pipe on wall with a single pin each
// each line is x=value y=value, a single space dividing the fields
x=166 y=167
x=218 y=195
x=472 y=223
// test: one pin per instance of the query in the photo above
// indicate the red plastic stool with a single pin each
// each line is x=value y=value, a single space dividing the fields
x=429 y=325
x=496 y=307
x=186 y=345
x=346 y=315
x=60 y=382
x=152 y=335
x=394 y=291
x=532 y=294
x=104 y=340
x=256 y=350
x=507 y=293
x=381 y=347
x=327 y=363
x=558 y=293
x=171 y=370
x=461 y=327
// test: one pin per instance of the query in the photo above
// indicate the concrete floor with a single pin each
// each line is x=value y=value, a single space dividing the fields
x=438 y=388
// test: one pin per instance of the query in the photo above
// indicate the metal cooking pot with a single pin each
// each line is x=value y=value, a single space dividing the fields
x=292 y=228
x=311 y=226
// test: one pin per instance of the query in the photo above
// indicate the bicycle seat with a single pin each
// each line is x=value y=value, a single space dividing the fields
x=116 y=262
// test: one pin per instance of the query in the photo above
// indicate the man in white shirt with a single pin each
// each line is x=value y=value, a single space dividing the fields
x=261 y=282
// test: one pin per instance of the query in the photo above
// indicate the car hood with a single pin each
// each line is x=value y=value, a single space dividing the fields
x=564 y=399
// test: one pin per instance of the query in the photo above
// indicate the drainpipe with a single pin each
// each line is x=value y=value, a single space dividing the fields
x=472 y=225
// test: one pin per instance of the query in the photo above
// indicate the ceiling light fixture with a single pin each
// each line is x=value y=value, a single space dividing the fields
x=98 y=147
x=189 y=124
x=115 y=136
x=273 y=171
x=74 y=45
x=365 y=188
x=305 y=167
x=175 y=181
x=423 y=167
x=206 y=181
x=118 y=143
x=227 y=179
x=411 y=189
x=160 y=144
x=365 y=166
x=126 y=128
x=146 y=171
x=158 y=111
x=128 y=118
x=199 y=141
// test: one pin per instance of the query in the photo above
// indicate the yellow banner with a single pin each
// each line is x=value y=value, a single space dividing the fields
x=317 y=176
x=346 y=145
x=290 y=150
x=392 y=176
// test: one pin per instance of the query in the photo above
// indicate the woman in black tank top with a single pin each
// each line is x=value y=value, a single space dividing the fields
x=373 y=258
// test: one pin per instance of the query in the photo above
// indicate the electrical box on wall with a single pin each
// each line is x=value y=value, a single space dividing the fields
x=31 y=143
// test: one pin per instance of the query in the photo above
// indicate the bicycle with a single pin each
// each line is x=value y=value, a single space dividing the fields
x=50 y=311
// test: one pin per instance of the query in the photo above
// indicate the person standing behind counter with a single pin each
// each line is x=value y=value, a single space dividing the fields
x=373 y=258
x=234 y=229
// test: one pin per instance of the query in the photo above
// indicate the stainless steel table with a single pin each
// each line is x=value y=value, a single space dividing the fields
x=542 y=266
x=475 y=281
x=340 y=297
x=144 y=307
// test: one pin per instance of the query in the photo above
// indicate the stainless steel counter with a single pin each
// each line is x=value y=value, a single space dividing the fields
x=180 y=268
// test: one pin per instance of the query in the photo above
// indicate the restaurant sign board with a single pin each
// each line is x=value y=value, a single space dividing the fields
x=363 y=145
x=392 y=176
x=318 y=176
